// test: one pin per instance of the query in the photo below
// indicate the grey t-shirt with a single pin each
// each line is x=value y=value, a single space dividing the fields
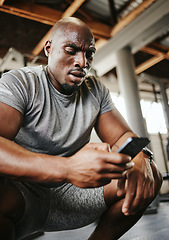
x=54 y=123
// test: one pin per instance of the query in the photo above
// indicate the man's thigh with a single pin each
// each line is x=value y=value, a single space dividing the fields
x=12 y=203
x=73 y=207
x=110 y=193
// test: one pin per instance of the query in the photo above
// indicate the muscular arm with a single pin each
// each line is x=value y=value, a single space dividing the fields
x=16 y=161
x=92 y=166
x=143 y=181
x=113 y=129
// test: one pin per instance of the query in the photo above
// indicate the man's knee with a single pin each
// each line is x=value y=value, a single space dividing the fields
x=11 y=201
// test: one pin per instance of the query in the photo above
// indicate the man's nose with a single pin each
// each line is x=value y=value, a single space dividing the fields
x=80 y=60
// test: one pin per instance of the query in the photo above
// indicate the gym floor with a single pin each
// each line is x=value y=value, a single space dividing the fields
x=152 y=226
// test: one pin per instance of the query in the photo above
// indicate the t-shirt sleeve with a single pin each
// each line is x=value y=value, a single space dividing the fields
x=102 y=94
x=106 y=100
x=13 y=92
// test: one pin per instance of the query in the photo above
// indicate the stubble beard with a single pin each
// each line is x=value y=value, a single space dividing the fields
x=69 y=89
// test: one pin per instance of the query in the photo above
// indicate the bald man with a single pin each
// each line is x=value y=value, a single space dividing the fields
x=52 y=178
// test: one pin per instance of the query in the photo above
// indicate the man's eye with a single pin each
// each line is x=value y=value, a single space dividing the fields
x=70 y=50
x=90 y=55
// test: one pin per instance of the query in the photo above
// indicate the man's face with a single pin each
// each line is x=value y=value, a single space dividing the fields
x=70 y=54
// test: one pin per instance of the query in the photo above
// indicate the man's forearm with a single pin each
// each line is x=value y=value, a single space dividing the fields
x=18 y=163
x=122 y=139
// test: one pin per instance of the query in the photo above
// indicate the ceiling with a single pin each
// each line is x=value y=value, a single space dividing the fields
x=142 y=25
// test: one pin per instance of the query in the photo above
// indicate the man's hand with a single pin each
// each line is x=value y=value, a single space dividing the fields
x=140 y=185
x=95 y=166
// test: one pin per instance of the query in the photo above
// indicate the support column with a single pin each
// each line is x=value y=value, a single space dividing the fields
x=129 y=89
x=165 y=104
x=166 y=115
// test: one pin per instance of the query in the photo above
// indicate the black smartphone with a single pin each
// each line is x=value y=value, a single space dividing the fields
x=133 y=146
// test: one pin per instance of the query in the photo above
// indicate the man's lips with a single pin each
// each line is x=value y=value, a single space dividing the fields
x=76 y=75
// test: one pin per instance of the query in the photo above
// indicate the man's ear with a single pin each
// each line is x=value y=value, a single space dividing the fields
x=47 y=48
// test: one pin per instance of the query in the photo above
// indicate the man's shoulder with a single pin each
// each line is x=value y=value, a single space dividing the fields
x=25 y=75
x=26 y=70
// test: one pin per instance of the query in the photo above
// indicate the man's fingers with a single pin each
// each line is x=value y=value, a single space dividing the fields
x=114 y=168
x=129 y=197
x=129 y=165
x=138 y=197
x=118 y=158
x=111 y=157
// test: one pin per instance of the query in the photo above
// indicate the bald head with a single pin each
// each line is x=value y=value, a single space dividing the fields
x=71 y=24
x=70 y=53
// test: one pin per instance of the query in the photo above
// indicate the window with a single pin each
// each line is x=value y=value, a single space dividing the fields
x=152 y=112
